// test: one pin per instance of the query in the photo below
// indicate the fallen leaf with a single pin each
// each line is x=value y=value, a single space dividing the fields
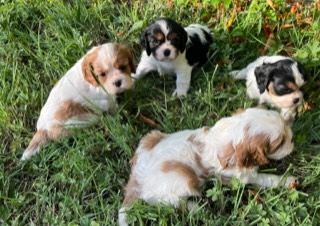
x=308 y=106
x=148 y=121
x=256 y=195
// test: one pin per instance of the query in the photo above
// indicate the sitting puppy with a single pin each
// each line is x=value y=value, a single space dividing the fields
x=169 y=167
x=87 y=88
x=172 y=49
x=274 y=80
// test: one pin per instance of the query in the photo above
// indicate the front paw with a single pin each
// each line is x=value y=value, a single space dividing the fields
x=291 y=182
x=179 y=93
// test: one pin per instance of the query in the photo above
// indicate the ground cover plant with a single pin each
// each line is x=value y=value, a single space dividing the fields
x=79 y=180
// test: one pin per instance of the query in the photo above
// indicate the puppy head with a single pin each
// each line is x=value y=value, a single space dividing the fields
x=164 y=39
x=282 y=81
x=264 y=136
x=109 y=65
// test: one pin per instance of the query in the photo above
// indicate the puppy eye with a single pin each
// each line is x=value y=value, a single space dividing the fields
x=103 y=74
x=122 y=67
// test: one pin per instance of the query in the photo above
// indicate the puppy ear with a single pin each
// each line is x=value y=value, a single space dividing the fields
x=144 y=41
x=87 y=67
x=253 y=151
x=131 y=63
x=183 y=42
x=263 y=77
x=301 y=70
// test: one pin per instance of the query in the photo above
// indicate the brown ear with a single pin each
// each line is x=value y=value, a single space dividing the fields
x=253 y=151
x=122 y=53
x=88 y=67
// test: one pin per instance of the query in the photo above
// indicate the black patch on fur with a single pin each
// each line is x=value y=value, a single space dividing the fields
x=301 y=70
x=280 y=73
x=197 y=51
x=147 y=40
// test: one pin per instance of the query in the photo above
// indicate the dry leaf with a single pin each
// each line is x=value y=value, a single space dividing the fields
x=148 y=121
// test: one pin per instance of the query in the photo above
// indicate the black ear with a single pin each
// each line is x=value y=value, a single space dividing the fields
x=144 y=41
x=263 y=77
x=183 y=42
x=301 y=70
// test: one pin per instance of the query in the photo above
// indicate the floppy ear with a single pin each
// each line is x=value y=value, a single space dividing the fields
x=263 y=77
x=87 y=67
x=253 y=151
x=183 y=42
x=301 y=70
x=144 y=41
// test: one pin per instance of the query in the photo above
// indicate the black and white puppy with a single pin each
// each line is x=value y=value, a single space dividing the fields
x=171 y=49
x=275 y=80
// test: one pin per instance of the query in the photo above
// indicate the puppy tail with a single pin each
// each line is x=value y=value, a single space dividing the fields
x=39 y=138
x=239 y=74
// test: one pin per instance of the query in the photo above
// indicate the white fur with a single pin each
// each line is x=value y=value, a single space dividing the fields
x=288 y=110
x=155 y=185
x=177 y=65
x=73 y=87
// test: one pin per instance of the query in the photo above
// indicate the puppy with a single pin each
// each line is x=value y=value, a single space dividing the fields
x=275 y=80
x=88 y=88
x=169 y=167
x=172 y=49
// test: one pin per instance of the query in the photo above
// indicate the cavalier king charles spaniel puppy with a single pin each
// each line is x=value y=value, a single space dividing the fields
x=167 y=168
x=275 y=80
x=88 y=88
x=172 y=49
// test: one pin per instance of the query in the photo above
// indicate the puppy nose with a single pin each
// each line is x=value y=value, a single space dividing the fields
x=166 y=52
x=296 y=100
x=117 y=83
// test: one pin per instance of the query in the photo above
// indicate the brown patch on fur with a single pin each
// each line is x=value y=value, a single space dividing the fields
x=171 y=36
x=150 y=140
x=204 y=170
x=193 y=139
x=131 y=191
x=227 y=158
x=251 y=152
x=271 y=89
x=123 y=59
x=239 y=111
x=133 y=161
x=39 y=138
x=206 y=129
x=158 y=36
x=69 y=109
x=292 y=86
x=183 y=170
x=89 y=67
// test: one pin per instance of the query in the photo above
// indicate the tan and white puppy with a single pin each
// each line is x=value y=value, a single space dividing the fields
x=169 y=167
x=275 y=80
x=88 y=87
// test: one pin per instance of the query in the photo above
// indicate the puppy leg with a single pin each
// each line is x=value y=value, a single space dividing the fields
x=132 y=194
x=42 y=137
x=239 y=74
x=289 y=114
x=39 y=139
x=183 y=81
x=144 y=67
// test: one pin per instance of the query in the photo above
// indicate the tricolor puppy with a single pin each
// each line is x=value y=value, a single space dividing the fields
x=172 y=49
x=169 y=167
x=275 y=80
x=88 y=87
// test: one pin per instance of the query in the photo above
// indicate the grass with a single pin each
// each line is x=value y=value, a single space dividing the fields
x=79 y=180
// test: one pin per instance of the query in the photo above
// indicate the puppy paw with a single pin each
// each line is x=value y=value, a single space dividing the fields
x=234 y=73
x=179 y=93
x=291 y=182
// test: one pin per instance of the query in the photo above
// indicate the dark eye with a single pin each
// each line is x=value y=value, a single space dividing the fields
x=103 y=74
x=122 y=67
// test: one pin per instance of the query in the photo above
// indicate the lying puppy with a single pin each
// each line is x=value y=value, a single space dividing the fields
x=169 y=167
x=172 y=49
x=274 y=80
x=88 y=87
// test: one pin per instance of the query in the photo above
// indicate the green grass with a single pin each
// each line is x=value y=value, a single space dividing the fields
x=79 y=180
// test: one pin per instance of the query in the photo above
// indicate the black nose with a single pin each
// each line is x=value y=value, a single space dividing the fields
x=296 y=100
x=166 y=52
x=117 y=83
